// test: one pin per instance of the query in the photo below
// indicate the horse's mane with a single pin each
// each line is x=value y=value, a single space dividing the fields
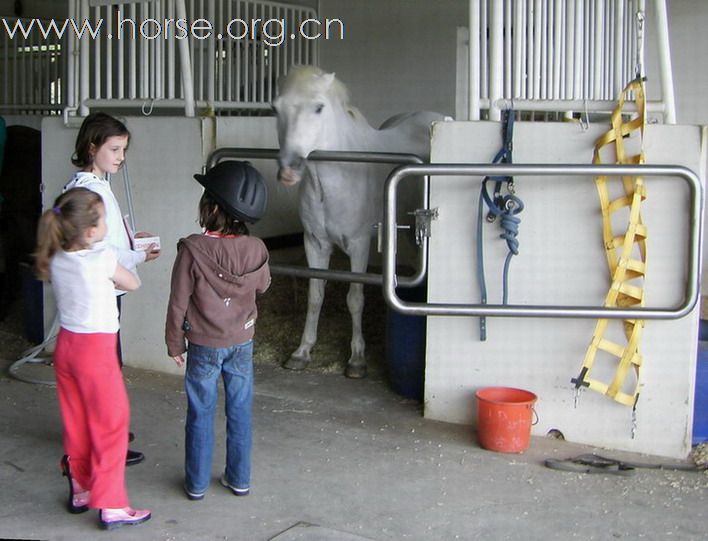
x=309 y=81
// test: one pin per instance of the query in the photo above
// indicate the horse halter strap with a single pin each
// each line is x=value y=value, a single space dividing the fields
x=506 y=208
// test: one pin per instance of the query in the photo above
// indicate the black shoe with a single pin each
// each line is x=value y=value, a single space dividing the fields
x=70 y=504
x=134 y=457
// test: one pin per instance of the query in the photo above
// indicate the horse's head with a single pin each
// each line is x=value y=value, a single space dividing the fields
x=304 y=106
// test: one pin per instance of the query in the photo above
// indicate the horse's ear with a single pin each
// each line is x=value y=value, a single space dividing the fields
x=328 y=79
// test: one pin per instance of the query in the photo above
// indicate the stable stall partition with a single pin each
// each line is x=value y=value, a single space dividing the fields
x=561 y=262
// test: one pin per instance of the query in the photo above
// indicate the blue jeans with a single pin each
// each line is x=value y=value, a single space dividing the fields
x=204 y=365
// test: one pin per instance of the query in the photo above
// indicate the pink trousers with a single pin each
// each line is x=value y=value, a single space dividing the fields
x=95 y=412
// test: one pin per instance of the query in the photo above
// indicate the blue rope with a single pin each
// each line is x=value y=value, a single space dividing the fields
x=506 y=208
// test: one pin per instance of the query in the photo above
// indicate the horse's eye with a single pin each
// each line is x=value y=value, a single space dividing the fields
x=319 y=108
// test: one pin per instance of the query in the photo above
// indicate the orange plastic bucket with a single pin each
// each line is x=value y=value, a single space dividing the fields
x=504 y=418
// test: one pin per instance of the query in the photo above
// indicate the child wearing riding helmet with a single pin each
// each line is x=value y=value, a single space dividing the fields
x=211 y=316
x=92 y=398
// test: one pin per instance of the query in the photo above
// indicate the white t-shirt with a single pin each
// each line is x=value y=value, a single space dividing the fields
x=84 y=290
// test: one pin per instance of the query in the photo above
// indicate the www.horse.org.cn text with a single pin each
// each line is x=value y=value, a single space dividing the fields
x=272 y=32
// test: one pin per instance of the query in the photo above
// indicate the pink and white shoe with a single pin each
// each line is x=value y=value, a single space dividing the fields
x=127 y=516
x=78 y=496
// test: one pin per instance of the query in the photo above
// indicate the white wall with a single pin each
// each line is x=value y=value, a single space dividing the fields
x=561 y=262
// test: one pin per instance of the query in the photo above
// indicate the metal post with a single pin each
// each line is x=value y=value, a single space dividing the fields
x=667 y=78
x=185 y=65
x=496 y=58
x=473 y=71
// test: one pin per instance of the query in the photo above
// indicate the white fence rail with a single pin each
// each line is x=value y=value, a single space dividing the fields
x=31 y=71
x=144 y=57
x=557 y=55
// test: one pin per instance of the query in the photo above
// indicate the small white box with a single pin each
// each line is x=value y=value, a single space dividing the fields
x=141 y=243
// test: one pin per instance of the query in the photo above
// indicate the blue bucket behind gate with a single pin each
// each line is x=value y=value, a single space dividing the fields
x=700 y=404
x=405 y=346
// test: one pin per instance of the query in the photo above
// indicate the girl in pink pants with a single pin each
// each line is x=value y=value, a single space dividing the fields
x=92 y=396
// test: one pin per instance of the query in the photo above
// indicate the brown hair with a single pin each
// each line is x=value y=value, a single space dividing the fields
x=213 y=218
x=95 y=130
x=63 y=225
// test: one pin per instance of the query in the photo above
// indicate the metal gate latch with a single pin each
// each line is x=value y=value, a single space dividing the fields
x=423 y=217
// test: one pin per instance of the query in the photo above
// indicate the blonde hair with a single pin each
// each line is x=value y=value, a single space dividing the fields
x=64 y=225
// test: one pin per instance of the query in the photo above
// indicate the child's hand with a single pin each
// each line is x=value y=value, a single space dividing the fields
x=151 y=252
x=179 y=360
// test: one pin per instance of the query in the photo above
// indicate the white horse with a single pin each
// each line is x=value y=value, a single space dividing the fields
x=340 y=203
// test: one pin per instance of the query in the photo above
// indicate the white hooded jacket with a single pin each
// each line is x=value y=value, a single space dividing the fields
x=116 y=235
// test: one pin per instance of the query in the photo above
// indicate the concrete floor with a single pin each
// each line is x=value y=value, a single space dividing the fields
x=336 y=459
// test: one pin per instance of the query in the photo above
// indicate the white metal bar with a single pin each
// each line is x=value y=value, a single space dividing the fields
x=132 y=62
x=473 y=71
x=484 y=49
x=185 y=65
x=109 y=56
x=97 y=60
x=599 y=24
x=84 y=83
x=665 y=69
x=496 y=67
x=508 y=70
x=557 y=48
x=211 y=57
x=538 y=31
x=518 y=37
x=171 y=52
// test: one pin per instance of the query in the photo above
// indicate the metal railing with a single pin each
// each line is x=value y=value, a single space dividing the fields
x=695 y=228
x=138 y=60
x=32 y=69
x=559 y=55
x=350 y=157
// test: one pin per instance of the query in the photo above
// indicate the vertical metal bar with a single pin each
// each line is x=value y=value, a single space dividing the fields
x=508 y=71
x=185 y=65
x=538 y=31
x=599 y=25
x=211 y=58
x=120 y=68
x=261 y=60
x=496 y=67
x=557 y=48
x=473 y=71
x=518 y=36
x=576 y=24
x=84 y=88
x=95 y=14
x=545 y=64
x=170 y=50
x=528 y=50
x=484 y=49
x=667 y=77
x=108 y=89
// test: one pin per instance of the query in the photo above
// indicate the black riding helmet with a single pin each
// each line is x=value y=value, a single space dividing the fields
x=238 y=188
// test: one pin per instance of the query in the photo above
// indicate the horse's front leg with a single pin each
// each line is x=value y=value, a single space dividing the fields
x=358 y=252
x=318 y=253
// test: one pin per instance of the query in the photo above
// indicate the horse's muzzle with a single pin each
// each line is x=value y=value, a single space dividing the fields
x=289 y=176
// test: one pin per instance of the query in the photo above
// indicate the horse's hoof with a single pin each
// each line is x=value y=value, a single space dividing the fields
x=295 y=363
x=355 y=371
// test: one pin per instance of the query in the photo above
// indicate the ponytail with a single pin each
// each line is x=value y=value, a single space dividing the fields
x=63 y=226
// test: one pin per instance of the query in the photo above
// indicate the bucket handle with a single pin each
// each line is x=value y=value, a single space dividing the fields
x=535 y=415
